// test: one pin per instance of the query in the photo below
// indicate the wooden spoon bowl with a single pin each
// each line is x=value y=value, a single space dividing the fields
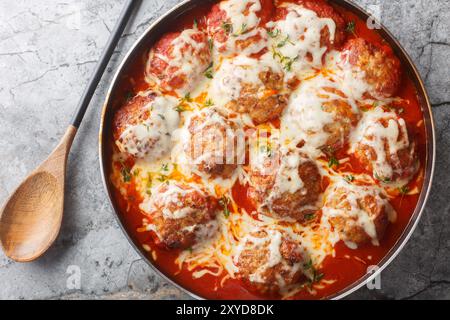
x=31 y=218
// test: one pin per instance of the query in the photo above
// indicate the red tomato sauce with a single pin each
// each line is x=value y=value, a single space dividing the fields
x=347 y=266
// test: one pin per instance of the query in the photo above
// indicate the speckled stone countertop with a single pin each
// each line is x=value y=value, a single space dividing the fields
x=48 y=50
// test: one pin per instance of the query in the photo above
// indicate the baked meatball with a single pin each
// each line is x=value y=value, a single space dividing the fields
x=181 y=216
x=283 y=183
x=268 y=261
x=344 y=120
x=323 y=10
x=319 y=117
x=178 y=61
x=212 y=144
x=144 y=125
x=303 y=32
x=250 y=86
x=359 y=214
x=236 y=25
x=383 y=145
x=381 y=68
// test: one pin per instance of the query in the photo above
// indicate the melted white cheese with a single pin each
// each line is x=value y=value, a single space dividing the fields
x=242 y=13
x=304 y=119
x=151 y=139
x=185 y=60
x=349 y=207
x=298 y=37
x=371 y=132
x=233 y=73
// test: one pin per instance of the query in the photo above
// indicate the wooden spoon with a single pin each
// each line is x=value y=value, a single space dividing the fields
x=31 y=218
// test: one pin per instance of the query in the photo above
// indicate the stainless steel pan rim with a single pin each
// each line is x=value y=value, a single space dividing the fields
x=429 y=126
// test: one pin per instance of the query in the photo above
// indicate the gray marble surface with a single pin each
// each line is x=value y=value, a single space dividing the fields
x=48 y=49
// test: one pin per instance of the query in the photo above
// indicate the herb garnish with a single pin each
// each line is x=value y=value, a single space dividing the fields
x=349 y=178
x=241 y=31
x=350 y=28
x=382 y=179
x=284 y=41
x=267 y=149
x=333 y=162
x=224 y=201
x=287 y=62
x=162 y=178
x=211 y=44
x=316 y=276
x=403 y=190
x=209 y=71
x=209 y=103
x=186 y=99
x=126 y=174
x=128 y=96
x=274 y=33
x=227 y=27
x=179 y=108
x=149 y=185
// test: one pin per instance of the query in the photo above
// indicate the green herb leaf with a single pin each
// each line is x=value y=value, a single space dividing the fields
x=162 y=178
x=211 y=44
x=274 y=33
x=349 y=178
x=227 y=27
x=284 y=42
x=333 y=162
x=208 y=103
x=287 y=62
x=316 y=276
x=187 y=97
x=267 y=149
x=149 y=185
x=382 y=179
x=209 y=71
x=128 y=96
x=403 y=190
x=224 y=202
x=179 y=108
x=350 y=28
x=126 y=174
x=241 y=31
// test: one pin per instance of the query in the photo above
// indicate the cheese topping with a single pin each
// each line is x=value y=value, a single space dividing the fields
x=170 y=198
x=235 y=73
x=187 y=60
x=151 y=139
x=386 y=135
x=242 y=13
x=347 y=198
x=298 y=38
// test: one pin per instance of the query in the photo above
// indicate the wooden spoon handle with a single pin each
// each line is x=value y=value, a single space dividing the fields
x=104 y=60
x=57 y=161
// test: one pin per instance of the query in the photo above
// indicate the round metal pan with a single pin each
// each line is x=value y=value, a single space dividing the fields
x=162 y=25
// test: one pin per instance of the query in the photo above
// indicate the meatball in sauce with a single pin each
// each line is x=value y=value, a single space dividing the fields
x=181 y=216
